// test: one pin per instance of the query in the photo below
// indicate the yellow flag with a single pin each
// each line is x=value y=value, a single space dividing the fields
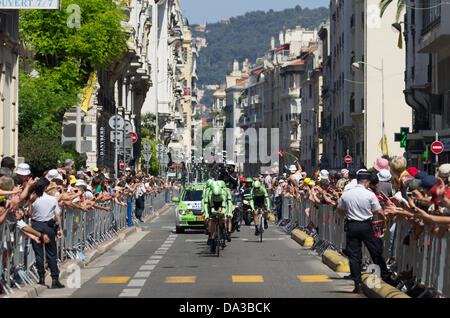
x=87 y=92
x=386 y=150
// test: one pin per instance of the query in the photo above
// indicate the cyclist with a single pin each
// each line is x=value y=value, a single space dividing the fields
x=229 y=209
x=259 y=198
x=205 y=198
x=217 y=204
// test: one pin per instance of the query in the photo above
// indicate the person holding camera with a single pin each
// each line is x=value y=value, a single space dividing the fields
x=46 y=219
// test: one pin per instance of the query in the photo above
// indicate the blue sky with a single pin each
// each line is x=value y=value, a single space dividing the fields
x=201 y=11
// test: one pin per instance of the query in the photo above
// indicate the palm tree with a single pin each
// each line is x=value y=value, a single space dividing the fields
x=401 y=5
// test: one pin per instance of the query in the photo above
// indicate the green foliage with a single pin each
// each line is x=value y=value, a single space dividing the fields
x=154 y=164
x=248 y=36
x=43 y=152
x=74 y=52
x=148 y=125
x=42 y=105
x=401 y=6
x=64 y=57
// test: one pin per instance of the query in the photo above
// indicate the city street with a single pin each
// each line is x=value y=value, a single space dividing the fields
x=168 y=265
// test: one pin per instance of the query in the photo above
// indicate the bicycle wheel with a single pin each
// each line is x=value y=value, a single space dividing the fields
x=217 y=237
x=261 y=228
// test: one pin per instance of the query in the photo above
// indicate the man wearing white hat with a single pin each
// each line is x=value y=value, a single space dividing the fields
x=54 y=174
x=23 y=171
x=323 y=175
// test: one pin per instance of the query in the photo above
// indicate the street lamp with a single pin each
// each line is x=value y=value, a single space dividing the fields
x=357 y=65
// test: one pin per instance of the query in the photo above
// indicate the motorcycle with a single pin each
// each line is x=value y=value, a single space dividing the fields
x=246 y=212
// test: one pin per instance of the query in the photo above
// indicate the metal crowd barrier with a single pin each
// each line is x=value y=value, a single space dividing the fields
x=82 y=231
x=427 y=259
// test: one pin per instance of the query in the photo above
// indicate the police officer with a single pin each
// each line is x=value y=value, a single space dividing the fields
x=45 y=218
x=359 y=204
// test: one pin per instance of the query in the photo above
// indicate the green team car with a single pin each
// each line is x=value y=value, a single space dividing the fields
x=188 y=214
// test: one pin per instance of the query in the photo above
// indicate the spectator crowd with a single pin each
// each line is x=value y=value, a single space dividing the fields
x=35 y=204
x=404 y=193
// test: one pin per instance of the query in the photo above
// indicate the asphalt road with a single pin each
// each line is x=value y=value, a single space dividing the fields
x=156 y=262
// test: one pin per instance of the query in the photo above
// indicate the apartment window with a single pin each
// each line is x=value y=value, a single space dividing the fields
x=431 y=16
x=281 y=118
x=362 y=104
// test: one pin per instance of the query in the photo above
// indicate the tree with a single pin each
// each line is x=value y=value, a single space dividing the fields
x=154 y=164
x=64 y=58
x=401 y=6
x=45 y=154
x=148 y=125
x=73 y=52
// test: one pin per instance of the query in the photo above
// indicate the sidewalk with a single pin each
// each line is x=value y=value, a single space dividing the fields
x=67 y=267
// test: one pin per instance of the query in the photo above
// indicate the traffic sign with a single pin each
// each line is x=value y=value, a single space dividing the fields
x=437 y=147
x=128 y=126
x=147 y=146
x=119 y=136
x=147 y=155
x=135 y=137
x=120 y=122
x=348 y=159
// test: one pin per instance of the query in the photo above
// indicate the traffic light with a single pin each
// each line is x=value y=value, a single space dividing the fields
x=402 y=136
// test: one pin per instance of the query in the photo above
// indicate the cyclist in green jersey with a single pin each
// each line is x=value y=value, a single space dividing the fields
x=217 y=204
x=229 y=209
x=259 y=200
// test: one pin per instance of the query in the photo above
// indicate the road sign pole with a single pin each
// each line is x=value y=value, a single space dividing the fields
x=437 y=156
x=348 y=154
x=115 y=149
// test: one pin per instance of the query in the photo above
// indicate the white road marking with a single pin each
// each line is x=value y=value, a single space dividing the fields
x=136 y=283
x=142 y=274
x=147 y=267
x=145 y=270
x=130 y=292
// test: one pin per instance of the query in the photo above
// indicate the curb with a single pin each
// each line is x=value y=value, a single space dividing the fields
x=384 y=291
x=336 y=261
x=65 y=268
x=302 y=238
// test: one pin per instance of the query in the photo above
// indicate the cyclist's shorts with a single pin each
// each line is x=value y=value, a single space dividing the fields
x=216 y=206
x=259 y=202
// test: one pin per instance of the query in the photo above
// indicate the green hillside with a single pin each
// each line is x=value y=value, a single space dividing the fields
x=248 y=36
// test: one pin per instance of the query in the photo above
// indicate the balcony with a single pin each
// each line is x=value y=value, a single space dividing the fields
x=290 y=93
x=244 y=103
x=434 y=37
x=431 y=17
x=256 y=99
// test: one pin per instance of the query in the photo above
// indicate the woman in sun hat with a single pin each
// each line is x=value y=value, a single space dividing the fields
x=381 y=164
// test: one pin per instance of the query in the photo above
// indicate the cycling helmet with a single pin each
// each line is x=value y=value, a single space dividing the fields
x=249 y=180
x=217 y=190
x=209 y=182
x=257 y=184
x=242 y=180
